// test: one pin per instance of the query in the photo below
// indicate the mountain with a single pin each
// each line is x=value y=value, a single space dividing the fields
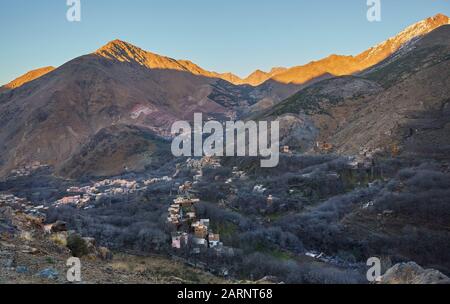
x=338 y=65
x=399 y=106
x=30 y=76
x=55 y=117
x=383 y=50
x=49 y=119
x=258 y=77
x=138 y=94
x=126 y=52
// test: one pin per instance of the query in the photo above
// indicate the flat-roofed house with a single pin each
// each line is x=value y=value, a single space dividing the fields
x=213 y=240
x=179 y=240
x=200 y=231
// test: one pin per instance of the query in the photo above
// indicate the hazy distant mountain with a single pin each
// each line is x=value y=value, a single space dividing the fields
x=258 y=77
x=30 y=76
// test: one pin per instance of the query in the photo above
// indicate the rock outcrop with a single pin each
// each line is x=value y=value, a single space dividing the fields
x=411 y=273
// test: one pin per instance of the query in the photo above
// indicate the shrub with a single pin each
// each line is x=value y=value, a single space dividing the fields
x=77 y=245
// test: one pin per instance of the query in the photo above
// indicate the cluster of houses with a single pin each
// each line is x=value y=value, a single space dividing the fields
x=11 y=199
x=199 y=164
x=157 y=180
x=108 y=188
x=181 y=211
x=206 y=161
x=22 y=204
x=81 y=201
x=189 y=230
x=27 y=170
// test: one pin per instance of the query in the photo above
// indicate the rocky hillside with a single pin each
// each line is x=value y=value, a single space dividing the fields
x=31 y=255
x=411 y=273
x=106 y=155
x=51 y=118
x=400 y=104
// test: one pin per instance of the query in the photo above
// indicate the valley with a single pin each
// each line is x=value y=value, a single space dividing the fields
x=87 y=169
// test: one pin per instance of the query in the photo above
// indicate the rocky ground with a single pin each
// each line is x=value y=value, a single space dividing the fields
x=29 y=255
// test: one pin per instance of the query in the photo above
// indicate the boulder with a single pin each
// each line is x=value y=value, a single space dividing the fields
x=91 y=245
x=59 y=226
x=104 y=254
x=268 y=280
x=411 y=273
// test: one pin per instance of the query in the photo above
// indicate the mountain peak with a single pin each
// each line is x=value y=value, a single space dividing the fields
x=25 y=78
x=257 y=72
x=411 y=33
x=126 y=52
x=439 y=17
x=258 y=77
x=426 y=25
x=122 y=51
x=115 y=45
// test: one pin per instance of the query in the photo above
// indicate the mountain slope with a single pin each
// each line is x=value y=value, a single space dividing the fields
x=49 y=119
x=106 y=155
x=345 y=65
x=402 y=102
x=30 y=76
x=380 y=52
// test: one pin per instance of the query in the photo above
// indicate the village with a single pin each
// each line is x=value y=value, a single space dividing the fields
x=193 y=237
x=189 y=231
x=81 y=197
x=22 y=204
x=27 y=170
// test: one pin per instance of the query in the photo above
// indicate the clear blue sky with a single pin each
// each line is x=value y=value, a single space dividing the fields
x=233 y=35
